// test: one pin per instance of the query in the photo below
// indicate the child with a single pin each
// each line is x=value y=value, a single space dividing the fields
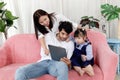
x=82 y=59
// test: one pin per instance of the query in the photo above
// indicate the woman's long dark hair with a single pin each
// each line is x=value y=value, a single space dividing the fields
x=38 y=27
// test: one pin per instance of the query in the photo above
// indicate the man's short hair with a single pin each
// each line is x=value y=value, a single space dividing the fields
x=67 y=26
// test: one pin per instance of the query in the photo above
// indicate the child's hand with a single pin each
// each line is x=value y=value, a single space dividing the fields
x=46 y=51
x=84 y=58
x=79 y=27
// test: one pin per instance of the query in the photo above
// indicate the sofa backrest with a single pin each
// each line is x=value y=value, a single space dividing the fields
x=26 y=48
x=23 y=48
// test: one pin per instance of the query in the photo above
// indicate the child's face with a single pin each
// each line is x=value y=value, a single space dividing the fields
x=79 y=40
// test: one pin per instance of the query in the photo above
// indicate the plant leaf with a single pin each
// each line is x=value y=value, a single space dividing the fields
x=92 y=24
x=1 y=11
x=106 y=14
x=2 y=4
x=84 y=17
x=2 y=26
x=94 y=19
x=9 y=23
x=91 y=17
x=96 y=24
x=84 y=22
x=9 y=16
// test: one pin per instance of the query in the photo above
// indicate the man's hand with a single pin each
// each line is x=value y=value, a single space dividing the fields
x=66 y=60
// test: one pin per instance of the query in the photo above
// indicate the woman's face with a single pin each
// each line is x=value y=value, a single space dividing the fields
x=44 y=20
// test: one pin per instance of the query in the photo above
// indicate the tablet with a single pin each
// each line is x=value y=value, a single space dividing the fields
x=57 y=52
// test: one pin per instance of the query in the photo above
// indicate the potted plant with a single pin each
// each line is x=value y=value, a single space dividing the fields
x=90 y=21
x=110 y=12
x=6 y=19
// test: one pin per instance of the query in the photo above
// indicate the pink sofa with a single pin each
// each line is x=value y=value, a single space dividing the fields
x=22 y=49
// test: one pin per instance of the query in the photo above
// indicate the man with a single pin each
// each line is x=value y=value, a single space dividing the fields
x=46 y=65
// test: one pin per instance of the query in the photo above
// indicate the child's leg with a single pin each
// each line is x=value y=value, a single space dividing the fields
x=79 y=70
x=89 y=70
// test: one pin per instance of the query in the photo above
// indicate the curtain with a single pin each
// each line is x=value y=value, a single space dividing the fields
x=73 y=9
x=118 y=29
x=24 y=9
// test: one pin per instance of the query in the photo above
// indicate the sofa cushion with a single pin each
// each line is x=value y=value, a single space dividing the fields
x=9 y=71
x=73 y=75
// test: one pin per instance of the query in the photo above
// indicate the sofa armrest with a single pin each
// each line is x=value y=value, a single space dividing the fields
x=105 y=58
x=107 y=61
x=3 y=55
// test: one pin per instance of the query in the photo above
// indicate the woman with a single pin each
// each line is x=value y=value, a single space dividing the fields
x=46 y=22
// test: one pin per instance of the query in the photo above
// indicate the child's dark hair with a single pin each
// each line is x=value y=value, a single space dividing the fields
x=67 y=26
x=80 y=32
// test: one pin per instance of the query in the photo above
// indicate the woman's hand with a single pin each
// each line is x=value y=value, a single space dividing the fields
x=46 y=51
